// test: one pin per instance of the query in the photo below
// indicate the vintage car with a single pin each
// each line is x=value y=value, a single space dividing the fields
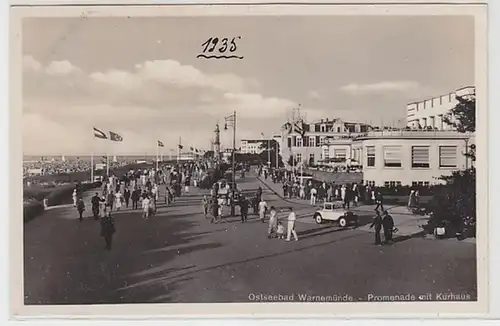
x=329 y=212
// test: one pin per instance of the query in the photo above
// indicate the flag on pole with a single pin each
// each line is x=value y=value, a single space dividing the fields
x=191 y=148
x=180 y=146
x=160 y=144
x=99 y=134
x=113 y=136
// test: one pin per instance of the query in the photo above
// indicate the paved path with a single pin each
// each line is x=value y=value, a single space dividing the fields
x=181 y=257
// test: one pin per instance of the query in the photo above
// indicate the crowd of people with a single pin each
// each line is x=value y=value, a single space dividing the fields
x=140 y=190
x=53 y=166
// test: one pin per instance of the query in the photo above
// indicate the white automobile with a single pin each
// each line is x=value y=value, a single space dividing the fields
x=335 y=214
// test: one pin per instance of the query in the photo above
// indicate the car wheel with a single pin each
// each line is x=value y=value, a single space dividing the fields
x=318 y=219
x=343 y=222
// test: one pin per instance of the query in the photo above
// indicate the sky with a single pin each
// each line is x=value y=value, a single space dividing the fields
x=141 y=78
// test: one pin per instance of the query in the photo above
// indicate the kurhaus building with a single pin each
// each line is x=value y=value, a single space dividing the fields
x=393 y=158
x=418 y=155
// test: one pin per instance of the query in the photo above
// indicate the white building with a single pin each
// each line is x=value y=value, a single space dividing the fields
x=252 y=146
x=411 y=157
x=428 y=114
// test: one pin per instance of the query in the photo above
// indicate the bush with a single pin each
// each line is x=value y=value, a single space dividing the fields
x=32 y=209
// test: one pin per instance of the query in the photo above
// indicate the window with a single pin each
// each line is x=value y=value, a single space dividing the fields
x=370 y=183
x=370 y=156
x=426 y=183
x=318 y=141
x=311 y=158
x=299 y=141
x=326 y=153
x=447 y=156
x=299 y=158
x=323 y=128
x=392 y=156
x=420 y=157
x=312 y=141
x=289 y=142
x=340 y=153
x=338 y=129
x=418 y=183
x=316 y=128
x=392 y=184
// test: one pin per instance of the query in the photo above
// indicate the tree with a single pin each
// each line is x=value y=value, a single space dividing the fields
x=463 y=118
x=456 y=201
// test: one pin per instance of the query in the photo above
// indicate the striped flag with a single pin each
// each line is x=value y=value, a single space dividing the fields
x=160 y=144
x=299 y=127
x=99 y=134
x=113 y=136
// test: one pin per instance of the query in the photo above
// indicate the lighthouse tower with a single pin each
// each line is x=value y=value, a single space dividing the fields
x=217 y=143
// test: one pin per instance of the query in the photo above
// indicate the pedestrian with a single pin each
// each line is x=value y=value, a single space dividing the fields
x=314 y=194
x=379 y=200
x=95 y=201
x=80 y=206
x=111 y=199
x=108 y=229
x=262 y=210
x=187 y=183
x=291 y=226
x=377 y=223
x=119 y=200
x=215 y=210
x=244 y=209
x=75 y=198
x=273 y=222
x=204 y=204
x=388 y=224
x=135 y=198
x=145 y=206
x=126 y=195
x=280 y=232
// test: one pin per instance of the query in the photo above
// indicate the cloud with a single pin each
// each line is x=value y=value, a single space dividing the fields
x=61 y=68
x=376 y=88
x=173 y=73
x=253 y=105
x=30 y=64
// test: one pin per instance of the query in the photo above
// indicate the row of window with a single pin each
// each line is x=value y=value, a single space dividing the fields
x=398 y=183
x=420 y=157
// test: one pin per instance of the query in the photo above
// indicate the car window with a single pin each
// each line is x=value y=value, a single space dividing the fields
x=328 y=206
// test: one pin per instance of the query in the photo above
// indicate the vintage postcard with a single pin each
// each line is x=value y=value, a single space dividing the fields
x=249 y=160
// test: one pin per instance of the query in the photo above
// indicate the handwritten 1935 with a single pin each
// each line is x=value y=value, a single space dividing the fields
x=220 y=48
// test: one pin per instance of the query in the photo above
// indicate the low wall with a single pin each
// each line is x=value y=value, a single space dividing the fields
x=337 y=177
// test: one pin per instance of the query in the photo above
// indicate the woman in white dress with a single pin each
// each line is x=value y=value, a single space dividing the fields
x=74 y=198
x=119 y=198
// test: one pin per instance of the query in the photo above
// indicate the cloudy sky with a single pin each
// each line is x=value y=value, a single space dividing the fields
x=140 y=76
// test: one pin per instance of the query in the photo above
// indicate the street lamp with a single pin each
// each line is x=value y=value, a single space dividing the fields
x=230 y=121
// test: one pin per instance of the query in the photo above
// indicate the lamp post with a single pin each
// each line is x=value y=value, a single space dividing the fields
x=231 y=121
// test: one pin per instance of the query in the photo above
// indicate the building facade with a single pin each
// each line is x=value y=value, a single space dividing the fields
x=322 y=140
x=411 y=157
x=429 y=113
x=252 y=146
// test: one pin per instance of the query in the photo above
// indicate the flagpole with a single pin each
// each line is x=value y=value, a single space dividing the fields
x=179 y=150
x=92 y=167
x=157 y=153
